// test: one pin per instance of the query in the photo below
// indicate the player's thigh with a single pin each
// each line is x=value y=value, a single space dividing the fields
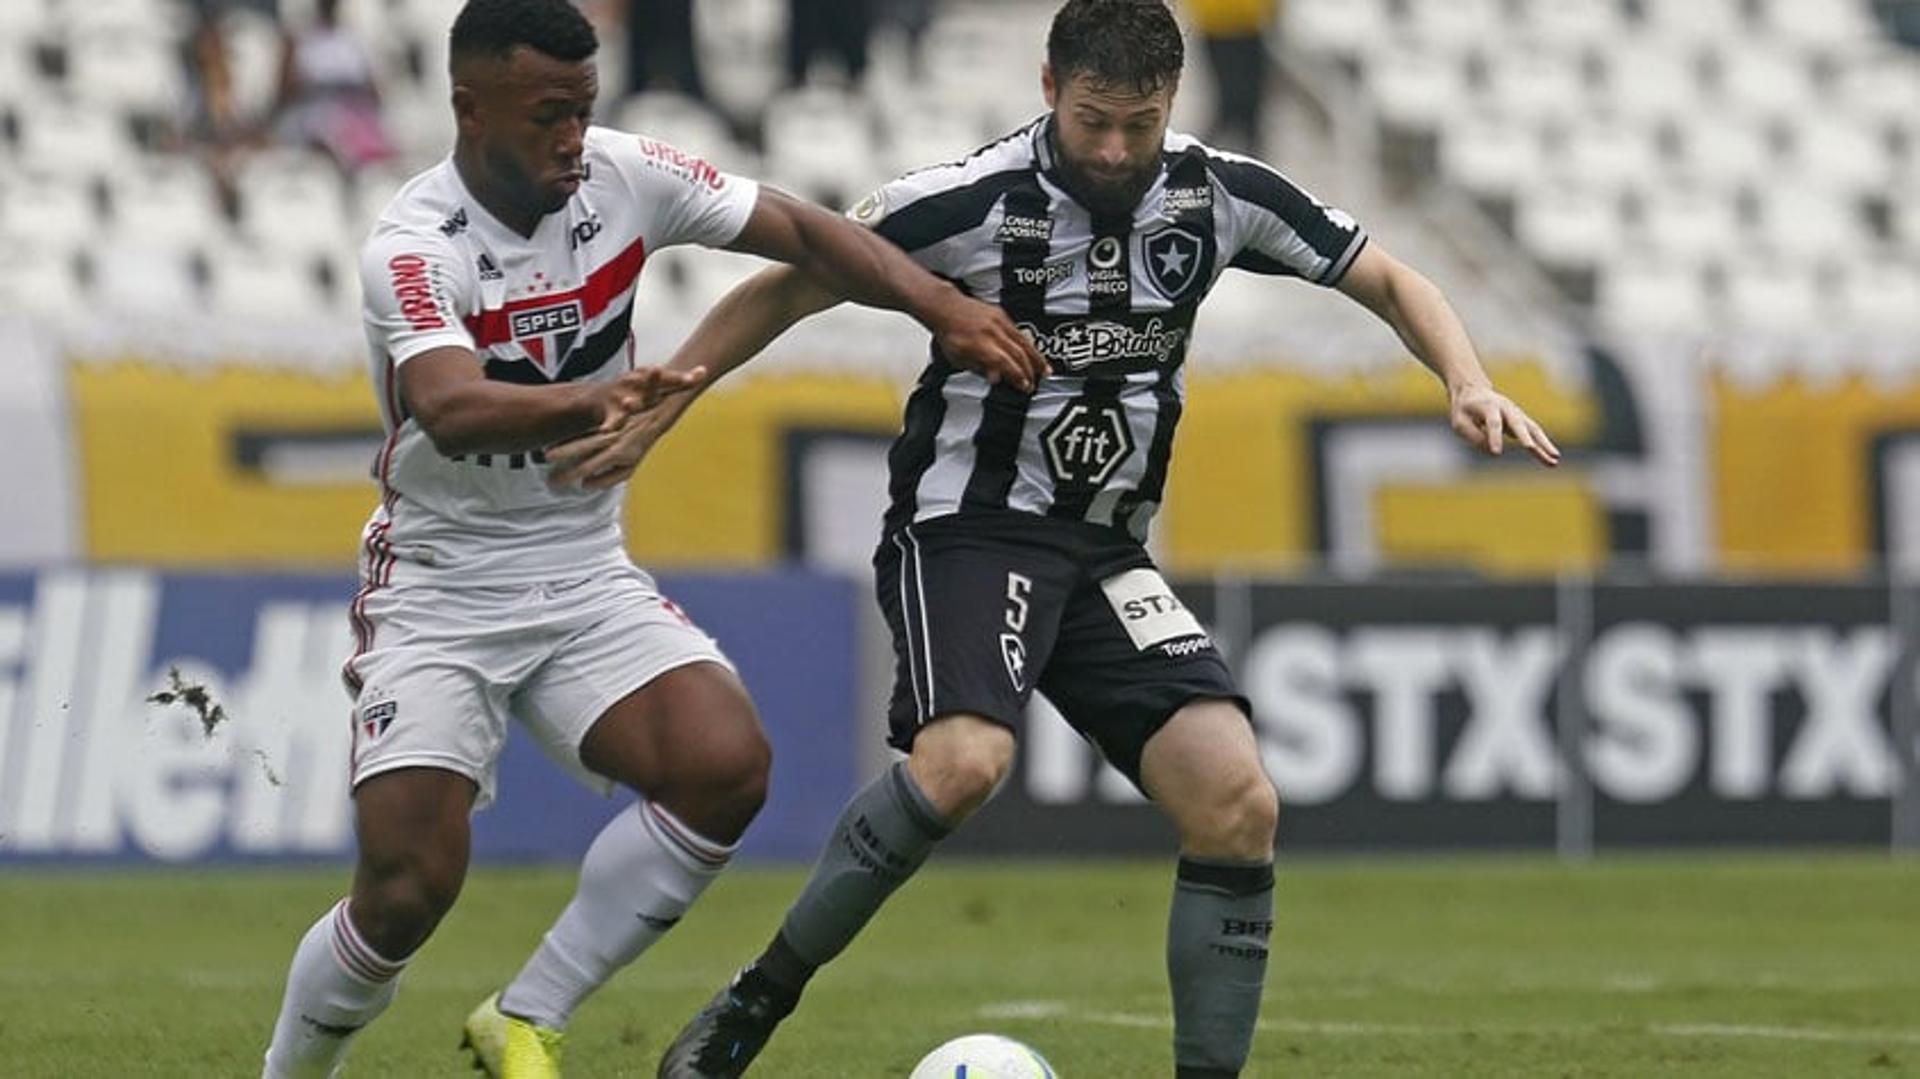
x=643 y=697
x=1203 y=768
x=973 y=623
x=1128 y=659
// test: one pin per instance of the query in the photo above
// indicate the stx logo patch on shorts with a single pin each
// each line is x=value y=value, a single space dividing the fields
x=1149 y=610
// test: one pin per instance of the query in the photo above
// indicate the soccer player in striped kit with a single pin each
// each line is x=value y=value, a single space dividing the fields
x=1012 y=557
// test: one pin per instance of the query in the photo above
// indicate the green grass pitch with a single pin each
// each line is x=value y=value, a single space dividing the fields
x=1779 y=965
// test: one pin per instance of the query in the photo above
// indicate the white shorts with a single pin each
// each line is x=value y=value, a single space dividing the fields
x=440 y=670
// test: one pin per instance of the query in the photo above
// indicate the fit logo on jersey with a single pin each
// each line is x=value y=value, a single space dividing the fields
x=413 y=287
x=688 y=167
x=1087 y=443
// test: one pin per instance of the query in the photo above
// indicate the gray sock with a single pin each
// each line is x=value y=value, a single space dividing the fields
x=1217 y=934
x=883 y=835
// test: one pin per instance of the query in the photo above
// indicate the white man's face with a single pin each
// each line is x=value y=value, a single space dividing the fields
x=1109 y=138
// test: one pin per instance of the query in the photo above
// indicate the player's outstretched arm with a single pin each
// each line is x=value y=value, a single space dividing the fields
x=736 y=329
x=1416 y=309
x=448 y=394
x=853 y=262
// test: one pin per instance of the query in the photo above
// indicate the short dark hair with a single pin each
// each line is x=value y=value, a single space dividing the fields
x=494 y=27
x=1124 y=44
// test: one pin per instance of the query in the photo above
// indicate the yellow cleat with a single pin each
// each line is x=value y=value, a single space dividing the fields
x=506 y=1047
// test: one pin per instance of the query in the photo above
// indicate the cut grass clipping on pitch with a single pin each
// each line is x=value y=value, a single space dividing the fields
x=1785 y=965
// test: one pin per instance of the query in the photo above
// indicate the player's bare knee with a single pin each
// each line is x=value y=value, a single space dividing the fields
x=740 y=779
x=960 y=767
x=1237 y=820
x=396 y=911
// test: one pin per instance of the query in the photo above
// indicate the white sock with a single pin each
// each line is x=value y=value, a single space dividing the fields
x=337 y=985
x=641 y=874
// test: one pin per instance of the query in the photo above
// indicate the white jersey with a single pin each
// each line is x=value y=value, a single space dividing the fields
x=440 y=271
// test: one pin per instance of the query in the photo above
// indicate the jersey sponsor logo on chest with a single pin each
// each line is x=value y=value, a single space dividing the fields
x=1074 y=346
x=1015 y=228
x=1105 y=274
x=1087 y=443
x=1049 y=274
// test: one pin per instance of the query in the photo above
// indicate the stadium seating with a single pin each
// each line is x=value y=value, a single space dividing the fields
x=1753 y=149
x=1713 y=137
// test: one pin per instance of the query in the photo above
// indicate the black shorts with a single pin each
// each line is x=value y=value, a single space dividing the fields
x=986 y=607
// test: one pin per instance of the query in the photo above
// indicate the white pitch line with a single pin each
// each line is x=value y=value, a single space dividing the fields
x=1804 y=1034
x=1057 y=1009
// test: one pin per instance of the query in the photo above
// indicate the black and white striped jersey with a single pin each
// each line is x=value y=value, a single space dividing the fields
x=1110 y=302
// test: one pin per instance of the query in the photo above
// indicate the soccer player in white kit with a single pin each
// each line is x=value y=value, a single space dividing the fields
x=498 y=301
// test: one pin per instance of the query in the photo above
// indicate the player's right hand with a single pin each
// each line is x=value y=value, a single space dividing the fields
x=979 y=337
x=640 y=390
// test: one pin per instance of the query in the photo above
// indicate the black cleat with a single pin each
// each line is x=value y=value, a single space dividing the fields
x=730 y=1031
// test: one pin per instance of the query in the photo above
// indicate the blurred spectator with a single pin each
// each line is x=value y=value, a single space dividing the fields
x=215 y=124
x=661 y=52
x=912 y=17
x=838 y=28
x=1234 y=35
x=1902 y=20
x=327 y=98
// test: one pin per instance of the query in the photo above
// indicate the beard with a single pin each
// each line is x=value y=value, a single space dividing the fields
x=1108 y=196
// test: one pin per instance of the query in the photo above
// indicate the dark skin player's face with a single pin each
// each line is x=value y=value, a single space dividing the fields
x=523 y=123
x=1109 y=138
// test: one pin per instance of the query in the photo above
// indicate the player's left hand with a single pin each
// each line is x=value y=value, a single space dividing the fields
x=604 y=459
x=1486 y=419
x=643 y=389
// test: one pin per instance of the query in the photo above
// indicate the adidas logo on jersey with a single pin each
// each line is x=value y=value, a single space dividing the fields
x=489 y=270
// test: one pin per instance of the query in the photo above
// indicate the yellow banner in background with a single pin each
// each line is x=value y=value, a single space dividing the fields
x=1795 y=485
x=178 y=468
x=234 y=465
x=1248 y=487
x=165 y=481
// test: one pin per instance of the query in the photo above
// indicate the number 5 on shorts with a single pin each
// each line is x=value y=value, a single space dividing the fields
x=1018 y=588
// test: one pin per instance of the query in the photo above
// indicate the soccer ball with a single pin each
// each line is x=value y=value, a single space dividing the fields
x=983 y=1056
